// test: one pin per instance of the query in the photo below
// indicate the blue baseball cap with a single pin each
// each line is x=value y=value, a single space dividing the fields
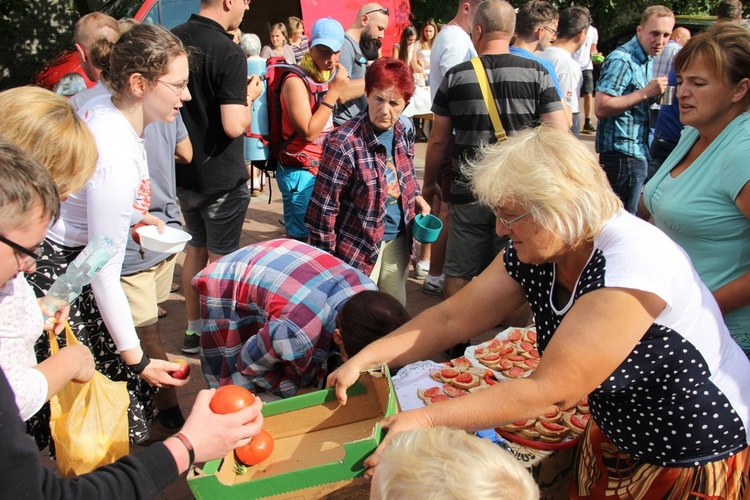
x=328 y=32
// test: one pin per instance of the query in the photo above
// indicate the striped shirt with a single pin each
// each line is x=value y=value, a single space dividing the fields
x=269 y=312
x=626 y=69
x=523 y=92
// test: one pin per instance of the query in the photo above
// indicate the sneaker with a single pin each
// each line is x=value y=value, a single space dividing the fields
x=588 y=129
x=421 y=270
x=192 y=343
x=431 y=289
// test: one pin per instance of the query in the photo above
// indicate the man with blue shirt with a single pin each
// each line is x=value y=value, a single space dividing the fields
x=624 y=93
x=536 y=29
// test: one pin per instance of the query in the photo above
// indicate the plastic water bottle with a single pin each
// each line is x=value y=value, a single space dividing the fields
x=80 y=272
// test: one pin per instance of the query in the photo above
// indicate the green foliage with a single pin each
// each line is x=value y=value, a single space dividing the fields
x=32 y=33
x=441 y=11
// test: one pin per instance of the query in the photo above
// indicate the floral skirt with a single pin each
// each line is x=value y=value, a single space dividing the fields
x=603 y=471
x=88 y=326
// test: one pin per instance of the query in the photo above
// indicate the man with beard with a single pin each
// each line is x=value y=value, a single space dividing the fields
x=362 y=43
x=624 y=93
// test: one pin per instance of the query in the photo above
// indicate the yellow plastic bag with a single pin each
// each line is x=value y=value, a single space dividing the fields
x=89 y=421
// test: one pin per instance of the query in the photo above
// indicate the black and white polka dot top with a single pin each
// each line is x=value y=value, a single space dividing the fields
x=682 y=396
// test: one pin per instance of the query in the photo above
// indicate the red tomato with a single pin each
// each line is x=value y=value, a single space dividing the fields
x=257 y=450
x=432 y=392
x=464 y=378
x=449 y=373
x=184 y=371
x=231 y=398
x=553 y=426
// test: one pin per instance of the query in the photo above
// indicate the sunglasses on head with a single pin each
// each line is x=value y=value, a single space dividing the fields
x=384 y=10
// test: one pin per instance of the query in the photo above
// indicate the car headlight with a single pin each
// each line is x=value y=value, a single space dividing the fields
x=70 y=85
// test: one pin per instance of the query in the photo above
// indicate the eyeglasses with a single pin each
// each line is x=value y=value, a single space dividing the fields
x=551 y=30
x=177 y=88
x=384 y=10
x=29 y=256
x=509 y=223
x=246 y=2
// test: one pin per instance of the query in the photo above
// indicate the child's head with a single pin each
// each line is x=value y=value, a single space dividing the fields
x=365 y=318
x=448 y=463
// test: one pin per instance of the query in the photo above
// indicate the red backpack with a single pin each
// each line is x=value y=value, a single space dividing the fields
x=277 y=71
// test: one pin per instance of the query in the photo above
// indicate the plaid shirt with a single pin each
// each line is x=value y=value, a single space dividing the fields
x=347 y=211
x=269 y=312
x=625 y=70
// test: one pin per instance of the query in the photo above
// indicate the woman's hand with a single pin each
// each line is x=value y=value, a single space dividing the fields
x=57 y=319
x=80 y=355
x=422 y=206
x=157 y=373
x=343 y=378
x=152 y=220
x=213 y=435
x=404 y=421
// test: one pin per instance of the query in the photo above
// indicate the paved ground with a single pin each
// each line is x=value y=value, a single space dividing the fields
x=261 y=223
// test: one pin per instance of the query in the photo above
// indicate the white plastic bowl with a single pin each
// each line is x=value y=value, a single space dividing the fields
x=170 y=241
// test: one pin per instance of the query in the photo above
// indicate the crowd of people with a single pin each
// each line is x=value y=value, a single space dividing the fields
x=633 y=266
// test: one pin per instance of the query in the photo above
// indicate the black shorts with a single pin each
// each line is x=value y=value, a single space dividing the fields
x=587 y=88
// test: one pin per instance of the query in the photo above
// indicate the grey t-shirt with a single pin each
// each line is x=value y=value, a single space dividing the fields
x=350 y=54
x=161 y=140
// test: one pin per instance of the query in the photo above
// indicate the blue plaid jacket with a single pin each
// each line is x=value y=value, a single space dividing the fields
x=625 y=70
x=269 y=312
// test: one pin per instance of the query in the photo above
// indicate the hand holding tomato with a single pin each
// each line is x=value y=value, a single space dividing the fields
x=214 y=435
x=230 y=399
x=184 y=371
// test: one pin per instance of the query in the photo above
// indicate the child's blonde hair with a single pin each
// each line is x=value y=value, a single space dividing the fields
x=448 y=463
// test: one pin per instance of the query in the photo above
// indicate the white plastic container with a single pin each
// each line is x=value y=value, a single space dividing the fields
x=170 y=241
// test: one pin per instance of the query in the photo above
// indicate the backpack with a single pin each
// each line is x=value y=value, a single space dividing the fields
x=277 y=71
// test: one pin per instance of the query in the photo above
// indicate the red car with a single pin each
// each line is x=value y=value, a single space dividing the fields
x=63 y=74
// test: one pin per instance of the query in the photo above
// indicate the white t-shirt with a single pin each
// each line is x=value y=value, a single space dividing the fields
x=569 y=74
x=680 y=397
x=106 y=205
x=583 y=55
x=452 y=46
x=21 y=324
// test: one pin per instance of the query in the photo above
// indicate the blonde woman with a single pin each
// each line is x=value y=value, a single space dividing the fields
x=297 y=39
x=279 y=44
x=622 y=318
x=44 y=125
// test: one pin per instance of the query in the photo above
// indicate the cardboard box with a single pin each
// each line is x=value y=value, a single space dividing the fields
x=320 y=446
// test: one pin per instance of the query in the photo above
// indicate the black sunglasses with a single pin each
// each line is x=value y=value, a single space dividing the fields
x=384 y=10
x=36 y=254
